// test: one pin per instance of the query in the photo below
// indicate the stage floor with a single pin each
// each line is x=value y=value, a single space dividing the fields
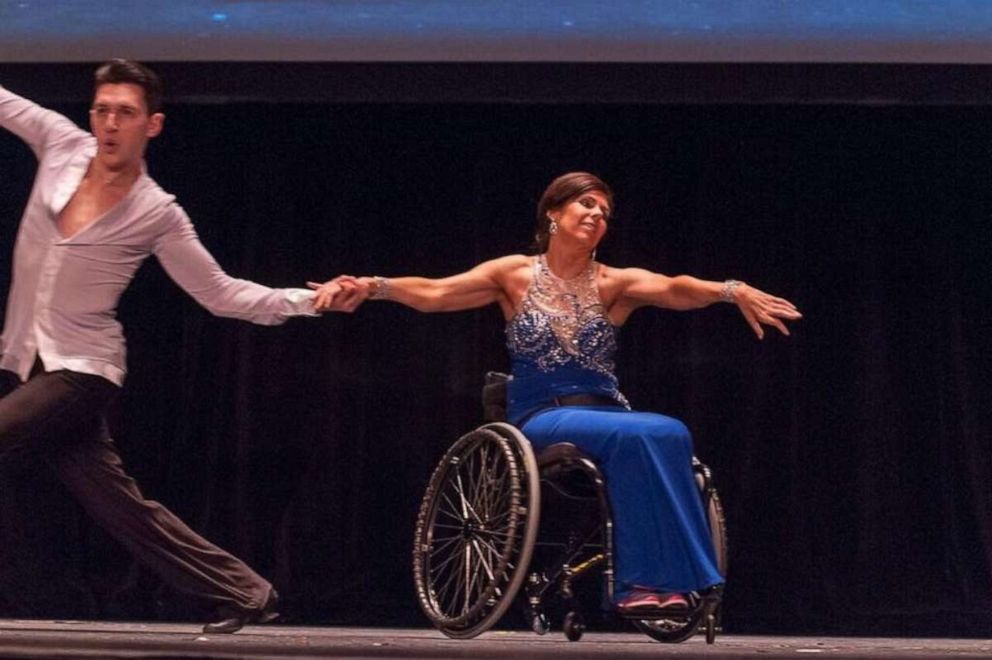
x=88 y=639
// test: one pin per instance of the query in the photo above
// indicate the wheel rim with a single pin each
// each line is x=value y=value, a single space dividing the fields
x=467 y=539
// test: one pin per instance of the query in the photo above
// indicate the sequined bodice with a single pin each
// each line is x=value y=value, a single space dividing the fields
x=561 y=343
x=562 y=322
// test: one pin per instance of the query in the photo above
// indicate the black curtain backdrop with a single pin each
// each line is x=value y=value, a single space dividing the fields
x=853 y=458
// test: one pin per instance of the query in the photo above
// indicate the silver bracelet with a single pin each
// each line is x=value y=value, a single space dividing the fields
x=727 y=292
x=381 y=288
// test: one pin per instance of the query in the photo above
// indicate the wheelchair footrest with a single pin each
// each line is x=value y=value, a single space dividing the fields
x=654 y=613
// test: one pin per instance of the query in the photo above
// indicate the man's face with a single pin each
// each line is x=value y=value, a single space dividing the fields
x=121 y=124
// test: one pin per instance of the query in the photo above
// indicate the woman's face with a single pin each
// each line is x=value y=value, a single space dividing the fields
x=583 y=220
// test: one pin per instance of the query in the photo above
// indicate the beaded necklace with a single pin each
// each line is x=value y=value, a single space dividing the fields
x=569 y=304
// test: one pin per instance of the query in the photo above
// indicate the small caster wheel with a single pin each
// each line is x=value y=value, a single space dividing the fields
x=539 y=623
x=710 y=628
x=574 y=626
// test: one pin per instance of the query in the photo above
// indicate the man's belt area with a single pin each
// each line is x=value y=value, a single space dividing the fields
x=584 y=400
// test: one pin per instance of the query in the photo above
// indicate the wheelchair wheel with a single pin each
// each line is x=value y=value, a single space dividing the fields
x=476 y=530
x=679 y=629
x=718 y=531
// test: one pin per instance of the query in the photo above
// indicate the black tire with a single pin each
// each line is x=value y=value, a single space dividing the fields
x=718 y=531
x=476 y=530
x=671 y=631
x=574 y=626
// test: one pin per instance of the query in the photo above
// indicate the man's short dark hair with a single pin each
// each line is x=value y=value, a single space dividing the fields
x=128 y=71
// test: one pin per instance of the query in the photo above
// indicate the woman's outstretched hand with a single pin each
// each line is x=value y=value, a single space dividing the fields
x=760 y=308
x=342 y=294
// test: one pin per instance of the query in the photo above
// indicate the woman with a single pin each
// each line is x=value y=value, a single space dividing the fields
x=563 y=310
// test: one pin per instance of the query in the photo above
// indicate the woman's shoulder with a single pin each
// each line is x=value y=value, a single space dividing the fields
x=613 y=281
x=605 y=272
x=511 y=262
x=623 y=273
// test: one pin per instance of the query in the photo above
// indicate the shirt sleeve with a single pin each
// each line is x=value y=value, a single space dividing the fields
x=193 y=268
x=39 y=127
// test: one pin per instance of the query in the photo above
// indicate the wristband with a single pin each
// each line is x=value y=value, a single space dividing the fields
x=727 y=292
x=381 y=288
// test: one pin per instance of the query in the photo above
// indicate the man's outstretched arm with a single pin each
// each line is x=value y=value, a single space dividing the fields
x=39 y=127
x=194 y=269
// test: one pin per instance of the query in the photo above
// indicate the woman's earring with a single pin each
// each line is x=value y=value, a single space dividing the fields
x=553 y=227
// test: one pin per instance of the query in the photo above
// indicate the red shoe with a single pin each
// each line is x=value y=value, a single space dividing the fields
x=650 y=600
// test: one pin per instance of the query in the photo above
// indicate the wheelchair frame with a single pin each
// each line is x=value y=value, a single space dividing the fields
x=477 y=529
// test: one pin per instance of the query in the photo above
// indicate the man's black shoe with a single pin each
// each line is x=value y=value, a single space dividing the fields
x=238 y=620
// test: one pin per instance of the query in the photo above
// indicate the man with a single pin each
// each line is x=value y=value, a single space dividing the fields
x=93 y=217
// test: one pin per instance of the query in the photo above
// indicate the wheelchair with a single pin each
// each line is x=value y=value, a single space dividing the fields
x=478 y=529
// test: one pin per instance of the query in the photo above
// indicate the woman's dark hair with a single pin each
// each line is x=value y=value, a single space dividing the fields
x=128 y=71
x=560 y=192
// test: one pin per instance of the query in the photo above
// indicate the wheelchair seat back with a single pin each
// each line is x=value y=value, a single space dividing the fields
x=494 y=396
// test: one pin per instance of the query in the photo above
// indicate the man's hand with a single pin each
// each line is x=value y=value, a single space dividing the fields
x=342 y=294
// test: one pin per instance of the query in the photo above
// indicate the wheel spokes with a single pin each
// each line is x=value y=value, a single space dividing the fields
x=466 y=553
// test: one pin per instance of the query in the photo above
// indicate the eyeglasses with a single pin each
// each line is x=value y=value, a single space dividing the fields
x=125 y=114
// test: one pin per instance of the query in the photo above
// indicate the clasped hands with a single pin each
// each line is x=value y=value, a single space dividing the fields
x=344 y=293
